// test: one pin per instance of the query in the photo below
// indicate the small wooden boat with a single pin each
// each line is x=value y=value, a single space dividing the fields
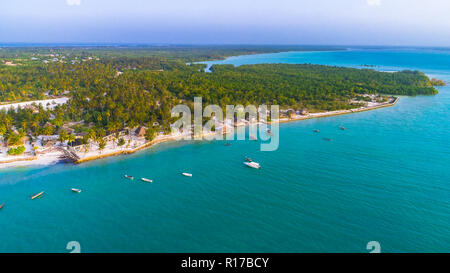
x=76 y=190
x=38 y=195
x=147 y=180
x=327 y=139
x=342 y=128
x=187 y=174
x=316 y=131
x=2 y=205
x=129 y=177
x=253 y=165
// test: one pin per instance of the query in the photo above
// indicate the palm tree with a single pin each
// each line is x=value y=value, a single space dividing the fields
x=71 y=139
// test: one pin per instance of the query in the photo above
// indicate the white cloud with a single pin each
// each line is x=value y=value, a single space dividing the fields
x=73 y=2
x=373 y=2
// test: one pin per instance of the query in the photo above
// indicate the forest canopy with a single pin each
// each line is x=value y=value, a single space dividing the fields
x=114 y=89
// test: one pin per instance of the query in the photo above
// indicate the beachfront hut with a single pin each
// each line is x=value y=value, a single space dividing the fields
x=140 y=131
x=304 y=111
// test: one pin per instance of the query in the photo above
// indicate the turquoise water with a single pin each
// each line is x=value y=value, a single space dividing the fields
x=386 y=179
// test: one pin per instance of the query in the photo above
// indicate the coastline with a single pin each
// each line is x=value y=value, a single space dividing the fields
x=55 y=157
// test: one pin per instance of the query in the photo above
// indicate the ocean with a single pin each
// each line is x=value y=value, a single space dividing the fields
x=386 y=179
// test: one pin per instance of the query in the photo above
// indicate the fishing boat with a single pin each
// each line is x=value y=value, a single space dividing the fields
x=38 y=195
x=253 y=165
x=2 y=205
x=316 y=131
x=342 y=128
x=187 y=174
x=327 y=139
x=76 y=190
x=147 y=180
x=129 y=177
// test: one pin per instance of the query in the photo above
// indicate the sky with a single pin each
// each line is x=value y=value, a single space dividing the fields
x=314 y=22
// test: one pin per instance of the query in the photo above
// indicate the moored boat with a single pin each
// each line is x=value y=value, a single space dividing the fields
x=316 y=131
x=129 y=177
x=253 y=165
x=76 y=190
x=147 y=180
x=342 y=128
x=327 y=139
x=187 y=174
x=2 y=205
x=38 y=195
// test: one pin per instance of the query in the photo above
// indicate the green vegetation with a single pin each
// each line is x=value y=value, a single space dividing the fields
x=114 y=88
x=16 y=151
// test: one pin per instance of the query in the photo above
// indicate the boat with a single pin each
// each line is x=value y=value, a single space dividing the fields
x=129 y=177
x=253 y=165
x=2 y=205
x=38 y=195
x=147 y=180
x=227 y=144
x=187 y=174
x=248 y=159
x=76 y=190
x=316 y=131
x=342 y=128
x=327 y=139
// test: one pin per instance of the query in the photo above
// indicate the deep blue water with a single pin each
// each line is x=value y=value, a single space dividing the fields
x=386 y=179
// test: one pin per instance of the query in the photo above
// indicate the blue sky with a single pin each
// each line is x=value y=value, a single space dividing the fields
x=346 y=22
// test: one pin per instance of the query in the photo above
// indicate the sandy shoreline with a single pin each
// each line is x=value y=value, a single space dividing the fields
x=55 y=157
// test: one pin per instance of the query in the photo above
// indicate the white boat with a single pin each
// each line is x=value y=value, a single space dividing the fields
x=187 y=174
x=39 y=195
x=253 y=165
x=147 y=180
x=129 y=177
x=76 y=190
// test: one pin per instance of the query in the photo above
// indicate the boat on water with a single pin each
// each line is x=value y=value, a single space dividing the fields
x=227 y=144
x=253 y=165
x=187 y=174
x=316 y=131
x=147 y=180
x=129 y=177
x=38 y=195
x=327 y=139
x=76 y=190
x=342 y=128
x=2 y=205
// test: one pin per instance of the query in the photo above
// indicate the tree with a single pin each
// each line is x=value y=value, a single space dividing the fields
x=150 y=134
x=121 y=142
x=101 y=144
x=63 y=136
x=71 y=139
